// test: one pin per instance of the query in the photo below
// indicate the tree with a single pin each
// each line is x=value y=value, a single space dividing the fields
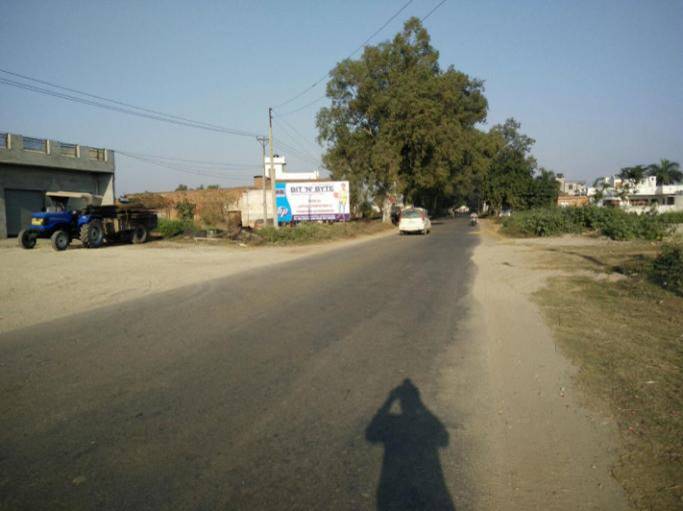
x=213 y=187
x=509 y=182
x=667 y=172
x=181 y=188
x=633 y=174
x=399 y=124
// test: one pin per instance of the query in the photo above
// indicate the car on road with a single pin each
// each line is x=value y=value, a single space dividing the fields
x=414 y=220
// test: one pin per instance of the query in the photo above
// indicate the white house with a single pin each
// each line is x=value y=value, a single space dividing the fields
x=281 y=174
x=645 y=195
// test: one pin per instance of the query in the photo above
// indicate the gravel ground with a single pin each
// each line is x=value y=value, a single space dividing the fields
x=41 y=285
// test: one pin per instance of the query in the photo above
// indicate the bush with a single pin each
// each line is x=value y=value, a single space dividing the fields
x=185 y=210
x=672 y=217
x=667 y=268
x=307 y=232
x=611 y=222
x=170 y=228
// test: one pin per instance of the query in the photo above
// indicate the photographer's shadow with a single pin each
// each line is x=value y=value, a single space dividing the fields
x=412 y=478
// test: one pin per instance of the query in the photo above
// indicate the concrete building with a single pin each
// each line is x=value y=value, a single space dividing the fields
x=641 y=197
x=574 y=188
x=29 y=167
x=279 y=164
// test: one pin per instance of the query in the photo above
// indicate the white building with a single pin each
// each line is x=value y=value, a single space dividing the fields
x=279 y=164
x=643 y=196
x=572 y=187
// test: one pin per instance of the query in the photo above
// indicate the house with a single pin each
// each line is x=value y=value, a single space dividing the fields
x=29 y=167
x=573 y=188
x=644 y=196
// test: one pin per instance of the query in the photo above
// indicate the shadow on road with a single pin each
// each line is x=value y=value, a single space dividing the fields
x=411 y=478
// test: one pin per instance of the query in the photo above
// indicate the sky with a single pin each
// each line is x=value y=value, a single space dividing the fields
x=598 y=84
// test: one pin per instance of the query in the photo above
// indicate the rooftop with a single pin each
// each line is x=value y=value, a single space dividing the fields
x=41 y=152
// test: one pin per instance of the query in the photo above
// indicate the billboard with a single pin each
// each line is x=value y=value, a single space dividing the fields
x=312 y=200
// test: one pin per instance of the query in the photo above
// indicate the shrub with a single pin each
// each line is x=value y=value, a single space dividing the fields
x=539 y=222
x=185 y=210
x=667 y=268
x=672 y=217
x=170 y=228
x=611 y=222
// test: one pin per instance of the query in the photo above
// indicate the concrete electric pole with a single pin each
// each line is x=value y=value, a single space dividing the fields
x=262 y=141
x=272 y=165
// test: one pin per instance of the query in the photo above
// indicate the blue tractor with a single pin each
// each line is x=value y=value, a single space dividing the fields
x=74 y=215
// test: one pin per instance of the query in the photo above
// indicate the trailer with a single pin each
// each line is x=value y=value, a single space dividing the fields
x=74 y=215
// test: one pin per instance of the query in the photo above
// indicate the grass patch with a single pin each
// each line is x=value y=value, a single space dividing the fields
x=172 y=228
x=313 y=232
x=626 y=337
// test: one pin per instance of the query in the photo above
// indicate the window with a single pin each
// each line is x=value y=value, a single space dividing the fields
x=67 y=149
x=670 y=201
x=34 y=144
x=96 y=154
x=3 y=140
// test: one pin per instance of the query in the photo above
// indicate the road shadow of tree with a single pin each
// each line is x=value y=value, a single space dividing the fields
x=411 y=478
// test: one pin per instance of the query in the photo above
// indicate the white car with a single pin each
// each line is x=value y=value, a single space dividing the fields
x=414 y=220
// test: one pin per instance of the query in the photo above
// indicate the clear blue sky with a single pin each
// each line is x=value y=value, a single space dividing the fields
x=598 y=84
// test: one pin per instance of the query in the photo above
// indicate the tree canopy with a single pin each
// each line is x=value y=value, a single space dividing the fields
x=399 y=124
x=667 y=172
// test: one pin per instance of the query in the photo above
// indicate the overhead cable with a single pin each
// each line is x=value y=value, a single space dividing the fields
x=317 y=82
x=117 y=106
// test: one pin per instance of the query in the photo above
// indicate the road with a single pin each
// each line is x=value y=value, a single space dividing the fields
x=273 y=389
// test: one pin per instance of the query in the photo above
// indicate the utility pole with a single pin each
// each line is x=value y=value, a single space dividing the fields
x=262 y=141
x=272 y=165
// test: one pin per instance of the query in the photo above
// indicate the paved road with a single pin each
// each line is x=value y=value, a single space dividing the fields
x=276 y=389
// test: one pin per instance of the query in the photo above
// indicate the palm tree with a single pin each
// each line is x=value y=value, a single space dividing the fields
x=635 y=173
x=667 y=172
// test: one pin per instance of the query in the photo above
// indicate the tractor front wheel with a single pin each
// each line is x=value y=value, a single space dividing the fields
x=92 y=234
x=60 y=240
x=27 y=239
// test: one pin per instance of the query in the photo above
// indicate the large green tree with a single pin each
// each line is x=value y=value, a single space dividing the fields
x=512 y=179
x=399 y=124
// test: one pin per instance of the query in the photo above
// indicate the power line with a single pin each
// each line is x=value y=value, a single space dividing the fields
x=433 y=10
x=316 y=83
x=298 y=153
x=125 y=108
x=182 y=169
x=293 y=133
x=205 y=163
x=302 y=107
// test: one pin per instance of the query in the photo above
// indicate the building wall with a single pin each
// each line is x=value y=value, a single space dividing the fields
x=23 y=177
x=251 y=205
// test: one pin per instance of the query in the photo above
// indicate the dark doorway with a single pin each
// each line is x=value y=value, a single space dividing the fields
x=19 y=204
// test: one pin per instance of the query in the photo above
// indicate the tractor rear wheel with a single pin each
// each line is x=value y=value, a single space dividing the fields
x=140 y=234
x=27 y=239
x=92 y=234
x=60 y=240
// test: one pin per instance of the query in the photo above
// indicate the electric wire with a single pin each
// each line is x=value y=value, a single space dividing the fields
x=184 y=170
x=122 y=107
x=433 y=10
x=317 y=82
x=296 y=137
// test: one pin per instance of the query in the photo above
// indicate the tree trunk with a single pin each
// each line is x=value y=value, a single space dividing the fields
x=386 y=210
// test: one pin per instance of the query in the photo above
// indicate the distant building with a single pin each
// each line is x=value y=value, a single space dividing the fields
x=279 y=164
x=29 y=167
x=645 y=195
x=572 y=187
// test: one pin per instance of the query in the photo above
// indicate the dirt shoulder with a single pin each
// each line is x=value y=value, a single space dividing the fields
x=40 y=285
x=526 y=432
